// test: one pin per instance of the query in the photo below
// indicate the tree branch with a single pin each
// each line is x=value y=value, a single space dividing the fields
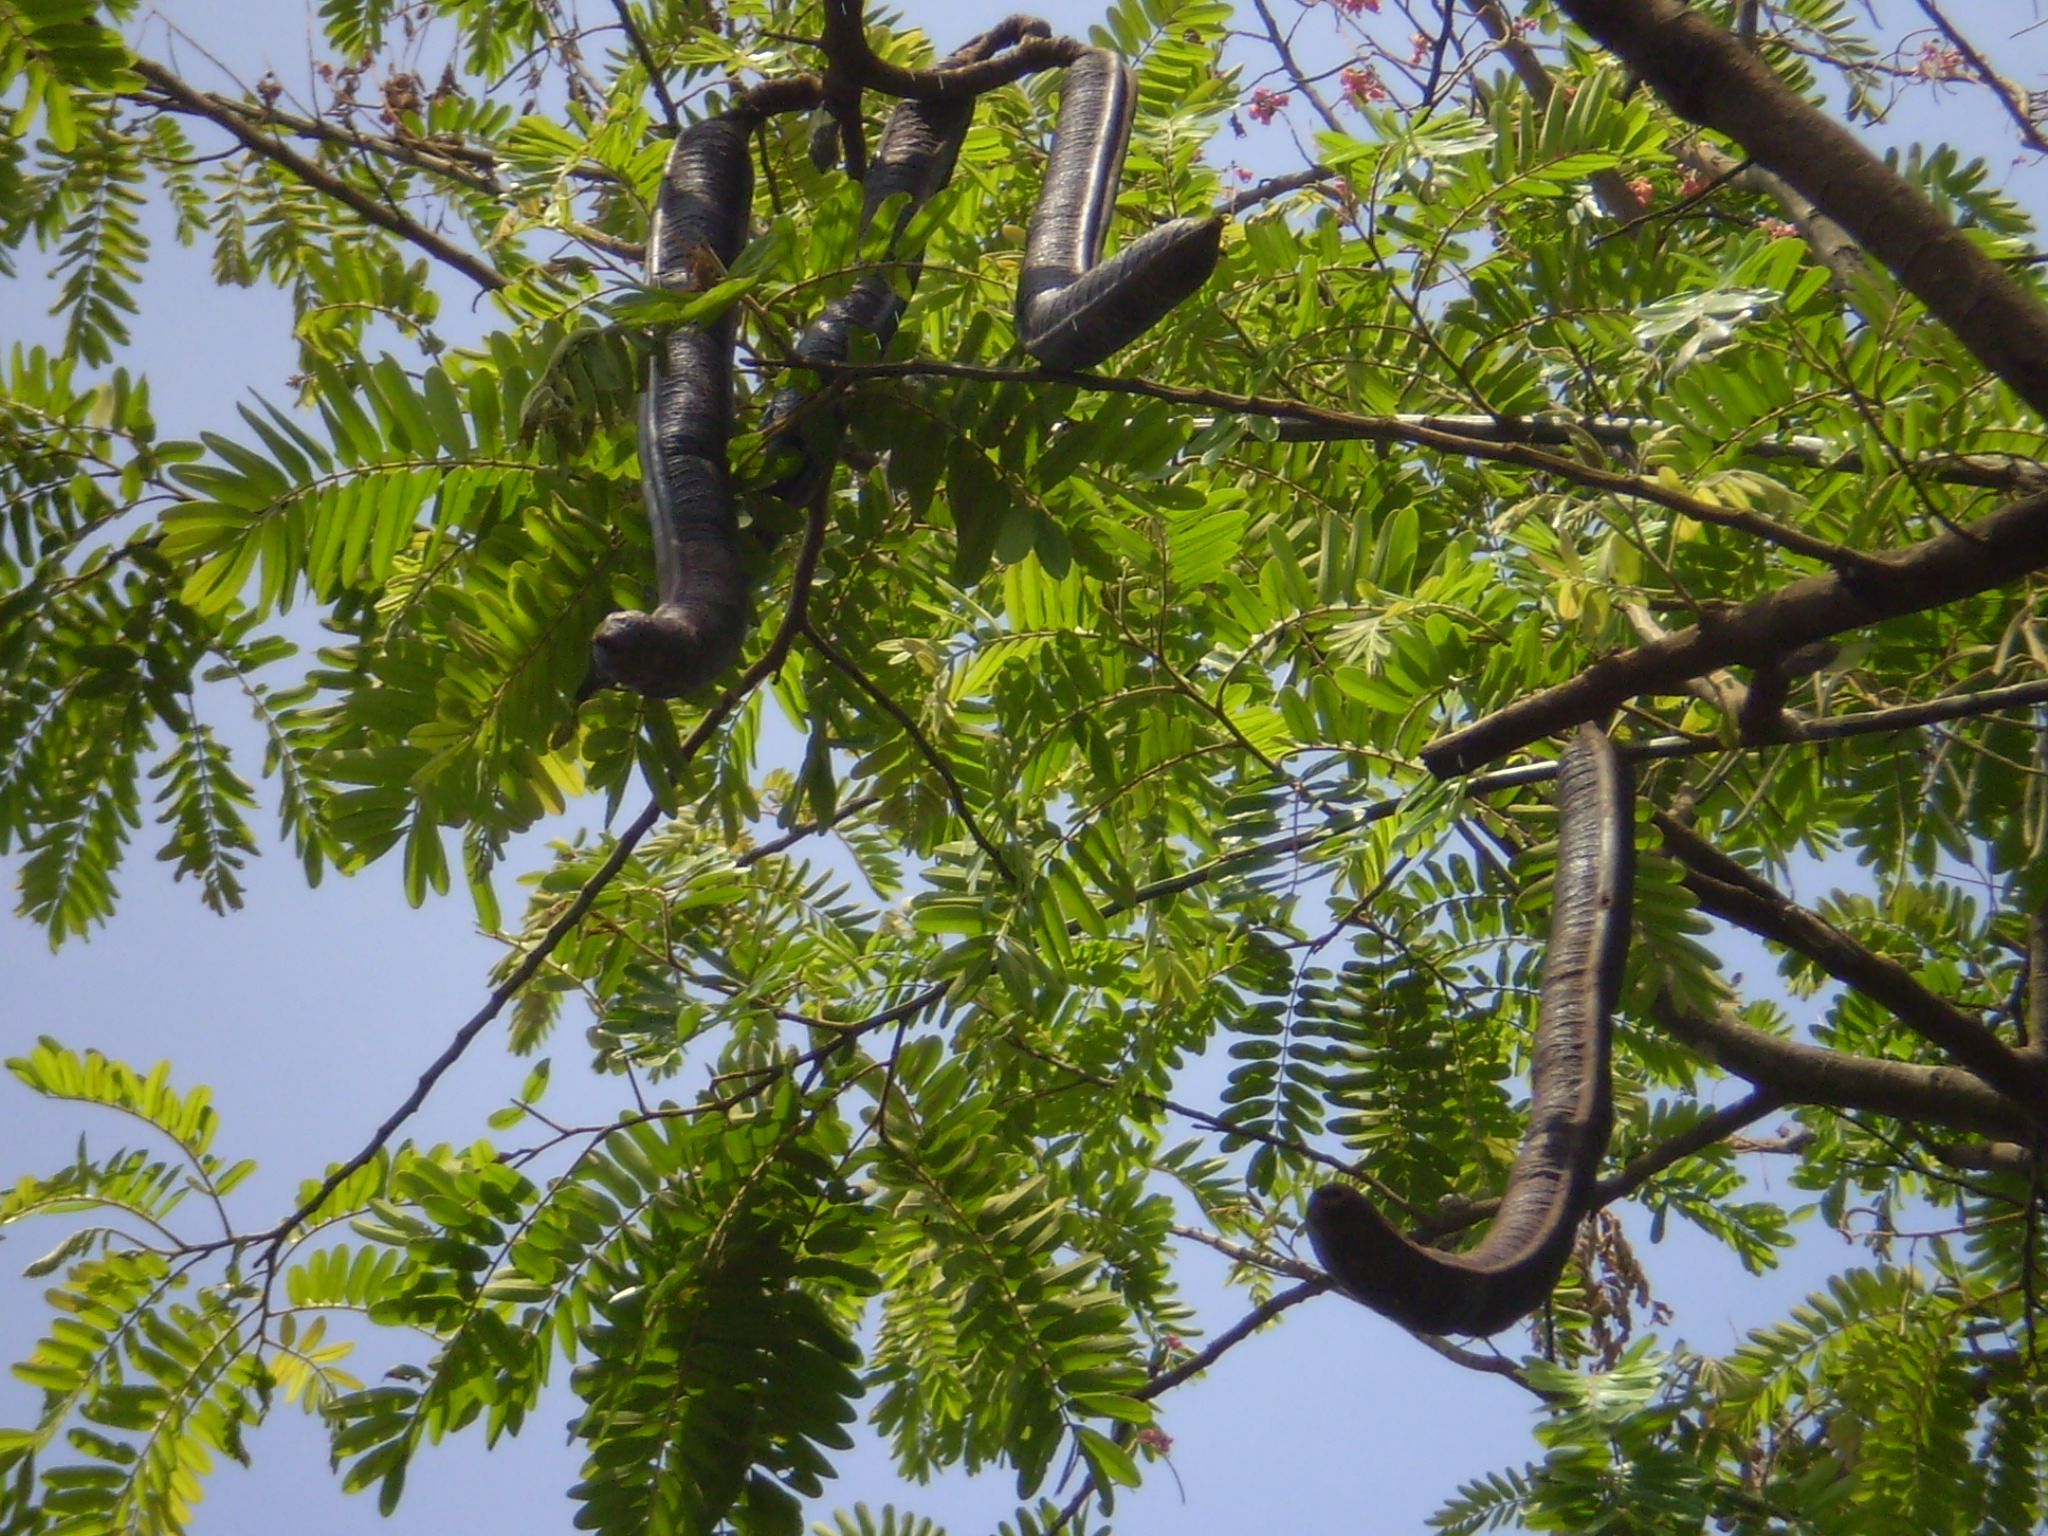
x=1730 y=891
x=2008 y=96
x=769 y=663
x=1708 y=76
x=1812 y=1074
x=931 y=754
x=385 y=217
x=1232 y=1336
x=646 y=57
x=1242 y=1253
x=1793 y=733
x=1640 y=1169
x=1392 y=429
x=1956 y=563
x=1989 y=471
x=846 y=47
x=1617 y=199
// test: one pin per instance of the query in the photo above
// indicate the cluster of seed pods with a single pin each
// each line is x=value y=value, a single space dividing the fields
x=1073 y=310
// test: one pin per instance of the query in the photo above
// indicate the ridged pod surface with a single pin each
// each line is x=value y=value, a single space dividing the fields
x=1550 y=1185
x=1072 y=313
x=700 y=617
x=914 y=160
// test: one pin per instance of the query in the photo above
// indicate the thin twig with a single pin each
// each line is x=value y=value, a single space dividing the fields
x=915 y=732
x=1395 y=429
x=2008 y=97
x=654 y=73
x=771 y=660
x=1232 y=1336
x=1277 y=186
x=380 y=214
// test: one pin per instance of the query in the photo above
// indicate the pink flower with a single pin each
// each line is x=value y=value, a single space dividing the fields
x=1777 y=229
x=1643 y=188
x=1353 y=7
x=1153 y=1438
x=1363 y=84
x=1694 y=184
x=1264 y=104
x=1419 y=44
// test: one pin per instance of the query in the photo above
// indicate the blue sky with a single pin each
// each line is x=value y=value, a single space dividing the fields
x=312 y=1011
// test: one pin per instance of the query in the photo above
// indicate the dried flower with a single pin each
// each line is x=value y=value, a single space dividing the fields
x=1940 y=61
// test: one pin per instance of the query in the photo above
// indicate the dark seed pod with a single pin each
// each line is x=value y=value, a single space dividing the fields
x=1072 y=313
x=700 y=617
x=1550 y=1185
x=914 y=159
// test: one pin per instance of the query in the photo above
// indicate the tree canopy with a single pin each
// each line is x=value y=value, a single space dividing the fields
x=1584 y=366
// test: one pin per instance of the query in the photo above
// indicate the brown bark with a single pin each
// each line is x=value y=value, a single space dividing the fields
x=1956 y=564
x=1729 y=891
x=1709 y=77
x=1812 y=1074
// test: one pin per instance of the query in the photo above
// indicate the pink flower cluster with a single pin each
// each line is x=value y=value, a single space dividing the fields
x=1363 y=84
x=1353 y=7
x=1265 y=103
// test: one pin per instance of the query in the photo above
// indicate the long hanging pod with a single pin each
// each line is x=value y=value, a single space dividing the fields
x=1550 y=1185
x=1072 y=313
x=700 y=617
x=915 y=157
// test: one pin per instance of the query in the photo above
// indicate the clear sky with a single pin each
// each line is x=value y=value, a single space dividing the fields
x=311 y=1013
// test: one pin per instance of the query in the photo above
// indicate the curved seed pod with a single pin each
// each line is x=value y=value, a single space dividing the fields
x=700 y=617
x=1072 y=313
x=915 y=157
x=1570 y=1113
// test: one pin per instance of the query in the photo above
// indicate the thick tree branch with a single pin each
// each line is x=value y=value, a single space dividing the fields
x=198 y=104
x=853 y=63
x=1730 y=891
x=1959 y=563
x=1276 y=186
x=1708 y=76
x=1832 y=245
x=1811 y=1074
